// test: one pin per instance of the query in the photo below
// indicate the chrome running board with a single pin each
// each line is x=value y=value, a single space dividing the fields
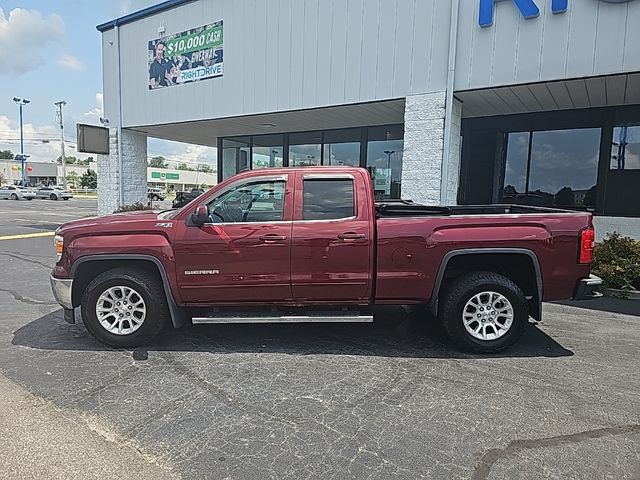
x=321 y=317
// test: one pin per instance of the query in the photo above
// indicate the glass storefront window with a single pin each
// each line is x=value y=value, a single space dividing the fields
x=235 y=156
x=564 y=167
x=515 y=170
x=305 y=149
x=384 y=160
x=625 y=151
x=342 y=147
x=268 y=151
x=558 y=169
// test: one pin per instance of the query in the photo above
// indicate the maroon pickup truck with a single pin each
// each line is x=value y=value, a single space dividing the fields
x=312 y=245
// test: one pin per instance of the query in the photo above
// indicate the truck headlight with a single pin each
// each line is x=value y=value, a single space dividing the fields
x=58 y=243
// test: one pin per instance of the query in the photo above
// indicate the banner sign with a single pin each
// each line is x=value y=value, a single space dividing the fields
x=382 y=180
x=165 y=176
x=185 y=57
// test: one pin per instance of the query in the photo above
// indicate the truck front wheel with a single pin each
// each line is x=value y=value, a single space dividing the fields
x=124 y=307
x=484 y=312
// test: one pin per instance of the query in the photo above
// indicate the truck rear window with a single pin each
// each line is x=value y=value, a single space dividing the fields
x=327 y=199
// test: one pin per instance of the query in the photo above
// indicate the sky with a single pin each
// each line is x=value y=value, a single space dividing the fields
x=50 y=50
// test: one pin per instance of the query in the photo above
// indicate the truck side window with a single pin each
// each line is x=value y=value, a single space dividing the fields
x=257 y=201
x=327 y=199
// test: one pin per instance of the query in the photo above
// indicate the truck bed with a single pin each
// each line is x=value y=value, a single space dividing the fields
x=407 y=208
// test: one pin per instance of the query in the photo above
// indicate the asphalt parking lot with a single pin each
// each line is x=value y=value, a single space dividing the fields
x=386 y=400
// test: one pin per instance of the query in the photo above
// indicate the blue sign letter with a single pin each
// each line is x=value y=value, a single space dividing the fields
x=559 y=6
x=527 y=8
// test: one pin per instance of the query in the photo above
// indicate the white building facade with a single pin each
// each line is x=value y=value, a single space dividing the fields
x=460 y=101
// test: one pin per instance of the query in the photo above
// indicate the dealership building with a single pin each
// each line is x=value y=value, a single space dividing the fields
x=461 y=101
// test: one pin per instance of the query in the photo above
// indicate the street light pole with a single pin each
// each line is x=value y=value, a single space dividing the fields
x=21 y=102
x=61 y=104
x=388 y=153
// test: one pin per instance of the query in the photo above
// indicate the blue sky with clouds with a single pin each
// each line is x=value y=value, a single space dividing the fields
x=50 y=50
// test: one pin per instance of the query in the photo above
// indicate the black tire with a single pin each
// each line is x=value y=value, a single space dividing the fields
x=150 y=289
x=14 y=196
x=53 y=196
x=155 y=198
x=465 y=288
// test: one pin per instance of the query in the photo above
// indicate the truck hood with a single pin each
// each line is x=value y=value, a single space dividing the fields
x=120 y=222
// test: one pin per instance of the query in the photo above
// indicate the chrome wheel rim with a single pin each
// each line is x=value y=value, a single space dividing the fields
x=121 y=310
x=487 y=316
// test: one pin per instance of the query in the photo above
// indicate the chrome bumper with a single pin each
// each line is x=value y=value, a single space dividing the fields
x=61 y=288
x=585 y=289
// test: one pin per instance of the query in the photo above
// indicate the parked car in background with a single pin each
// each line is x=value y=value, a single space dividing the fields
x=53 y=193
x=156 y=194
x=182 y=198
x=13 y=192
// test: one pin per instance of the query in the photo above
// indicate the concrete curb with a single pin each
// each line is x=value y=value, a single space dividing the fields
x=619 y=293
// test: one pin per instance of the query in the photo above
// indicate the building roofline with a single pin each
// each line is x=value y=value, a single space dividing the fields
x=145 y=12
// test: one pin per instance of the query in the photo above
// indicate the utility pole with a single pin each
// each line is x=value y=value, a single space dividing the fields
x=60 y=120
x=21 y=102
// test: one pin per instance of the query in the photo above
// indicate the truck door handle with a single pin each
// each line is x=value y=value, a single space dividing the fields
x=272 y=237
x=351 y=236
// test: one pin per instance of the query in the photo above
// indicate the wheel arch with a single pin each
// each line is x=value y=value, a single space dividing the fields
x=485 y=259
x=86 y=268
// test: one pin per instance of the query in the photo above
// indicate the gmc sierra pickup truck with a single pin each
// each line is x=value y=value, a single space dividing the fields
x=312 y=245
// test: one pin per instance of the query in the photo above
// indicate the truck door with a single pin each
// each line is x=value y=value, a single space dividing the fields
x=332 y=239
x=243 y=254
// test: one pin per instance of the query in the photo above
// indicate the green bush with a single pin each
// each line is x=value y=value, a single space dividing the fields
x=617 y=261
x=133 y=208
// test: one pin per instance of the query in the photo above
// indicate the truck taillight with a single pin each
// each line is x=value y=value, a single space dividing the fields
x=587 y=242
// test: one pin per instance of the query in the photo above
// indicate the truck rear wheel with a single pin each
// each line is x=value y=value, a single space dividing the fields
x=484 y=312
x=124 y=307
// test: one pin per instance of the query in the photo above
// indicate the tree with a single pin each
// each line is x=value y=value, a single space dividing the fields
x=184 y=166
x=73 y=178
x=158 y=162
x=565 y=197
x=6 y=155
x=205 y=169
x=89 y=179
x=590 y=197
x=2 y=179
x=68 y=160
x=510 y=190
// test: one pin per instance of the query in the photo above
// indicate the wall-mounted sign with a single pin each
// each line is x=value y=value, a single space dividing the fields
x=382 y=180
x=165 y=175
x=185 y=57
x=527 y=8
x=92 y=139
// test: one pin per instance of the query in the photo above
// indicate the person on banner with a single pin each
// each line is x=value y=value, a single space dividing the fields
x=174 y=71
x=160 y=69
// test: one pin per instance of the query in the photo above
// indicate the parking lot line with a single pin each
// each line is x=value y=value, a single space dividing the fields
x=27 y=235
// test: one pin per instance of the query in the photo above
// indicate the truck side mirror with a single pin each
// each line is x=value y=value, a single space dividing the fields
x=200 y=216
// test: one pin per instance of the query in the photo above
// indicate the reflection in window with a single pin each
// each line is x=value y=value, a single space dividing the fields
x=342 y=147
x=384 y=160
x=267 y=151
x=625 y=151
x=563 y=168
x=257 y=201
x=235 y=156
x=515 y=170
x=304 y=149
x=329 y=199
